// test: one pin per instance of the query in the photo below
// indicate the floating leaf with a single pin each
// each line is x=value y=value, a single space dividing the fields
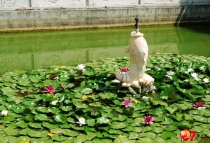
x=172 y=108
x=41 y=117
x=158 y=111
x=148 y=135
x=80 y=105
x=166 y=134
x=91 y=122
x=133 y=135
x=49 y=125
x=167 y=92
x=167 y=121
x=107 y=95
x=95 y=104
x=201 y=119
x=11 y=131
x=90 y=136
x=119 y=125
x=102 y=120
x=22 y=124
x=35 y=125
x=70 y=133
x=81 y=138
x=39 y=134
x=66 y=108
x=61 y=118
x=87 y=91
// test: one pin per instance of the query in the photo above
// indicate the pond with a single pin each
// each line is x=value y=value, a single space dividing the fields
x=34 y=50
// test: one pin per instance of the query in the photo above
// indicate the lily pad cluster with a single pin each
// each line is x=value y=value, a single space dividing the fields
x=85 y=103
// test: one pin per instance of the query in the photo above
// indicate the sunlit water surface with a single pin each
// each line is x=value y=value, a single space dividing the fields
x=27 y=51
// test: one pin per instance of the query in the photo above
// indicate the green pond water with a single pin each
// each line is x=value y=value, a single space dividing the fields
x=27 y=51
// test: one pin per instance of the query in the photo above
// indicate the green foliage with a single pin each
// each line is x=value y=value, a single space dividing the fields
x=93 y=95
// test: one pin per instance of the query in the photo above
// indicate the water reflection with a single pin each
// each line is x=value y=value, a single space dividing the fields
x=35 y=50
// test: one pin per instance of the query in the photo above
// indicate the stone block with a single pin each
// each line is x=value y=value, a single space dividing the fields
x=58 y=3
x=15 y=3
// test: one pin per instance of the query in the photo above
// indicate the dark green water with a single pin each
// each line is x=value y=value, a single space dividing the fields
x=26 y=51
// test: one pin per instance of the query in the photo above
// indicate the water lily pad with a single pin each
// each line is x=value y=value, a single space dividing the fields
x=148 y=134
x=167 y=92
x=117 y=132
x=8 y=119
x=178 y=116
x=145 y=140
x=100 y=86
x=60 y=118
x=133 y=135
x=206 y=132
x=22 y=124
x=89 y=71
x=35 y=78
x=24 y=82
x=172 y=108
x=166 y=134
x=90 y=135
x=158 y=111
x=95 y=104
x=66 y=108
x=70 y=133
x=87 y=91
x=65 y=126
x=49 y=125
x=28 y=118
x=201 y=119
x=119 y=125
x=42 y=109
x=120 y=117
x=185 y=124
x=81 y=138
x=205 y=113
x=129 y=129
x=198 y=129
x=11 y=131
x=35 y=125
x=91 y=122
x=170 y=128
x=23 y=139
x=167 y=121
x=40 y=117
x=9 y=91
x=122 y=139
x=102 y=120
x=107 y=95
x=33 y=133
x=80 y=105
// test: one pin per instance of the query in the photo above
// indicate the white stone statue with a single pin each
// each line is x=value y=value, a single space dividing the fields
x=136 y=76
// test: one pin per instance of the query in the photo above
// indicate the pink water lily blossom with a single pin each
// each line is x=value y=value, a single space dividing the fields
x=124 y=70
x=49 y=89
x=199 y=105
x=127 y=103
x=148 y=120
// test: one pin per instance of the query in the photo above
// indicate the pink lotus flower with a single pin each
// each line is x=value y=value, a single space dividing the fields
x=148 y=120
x=198 y=105
x=49 y=89
x=127 y=103
x=124 y=70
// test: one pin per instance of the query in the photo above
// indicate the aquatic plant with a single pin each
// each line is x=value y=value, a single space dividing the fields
x=86 y=106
